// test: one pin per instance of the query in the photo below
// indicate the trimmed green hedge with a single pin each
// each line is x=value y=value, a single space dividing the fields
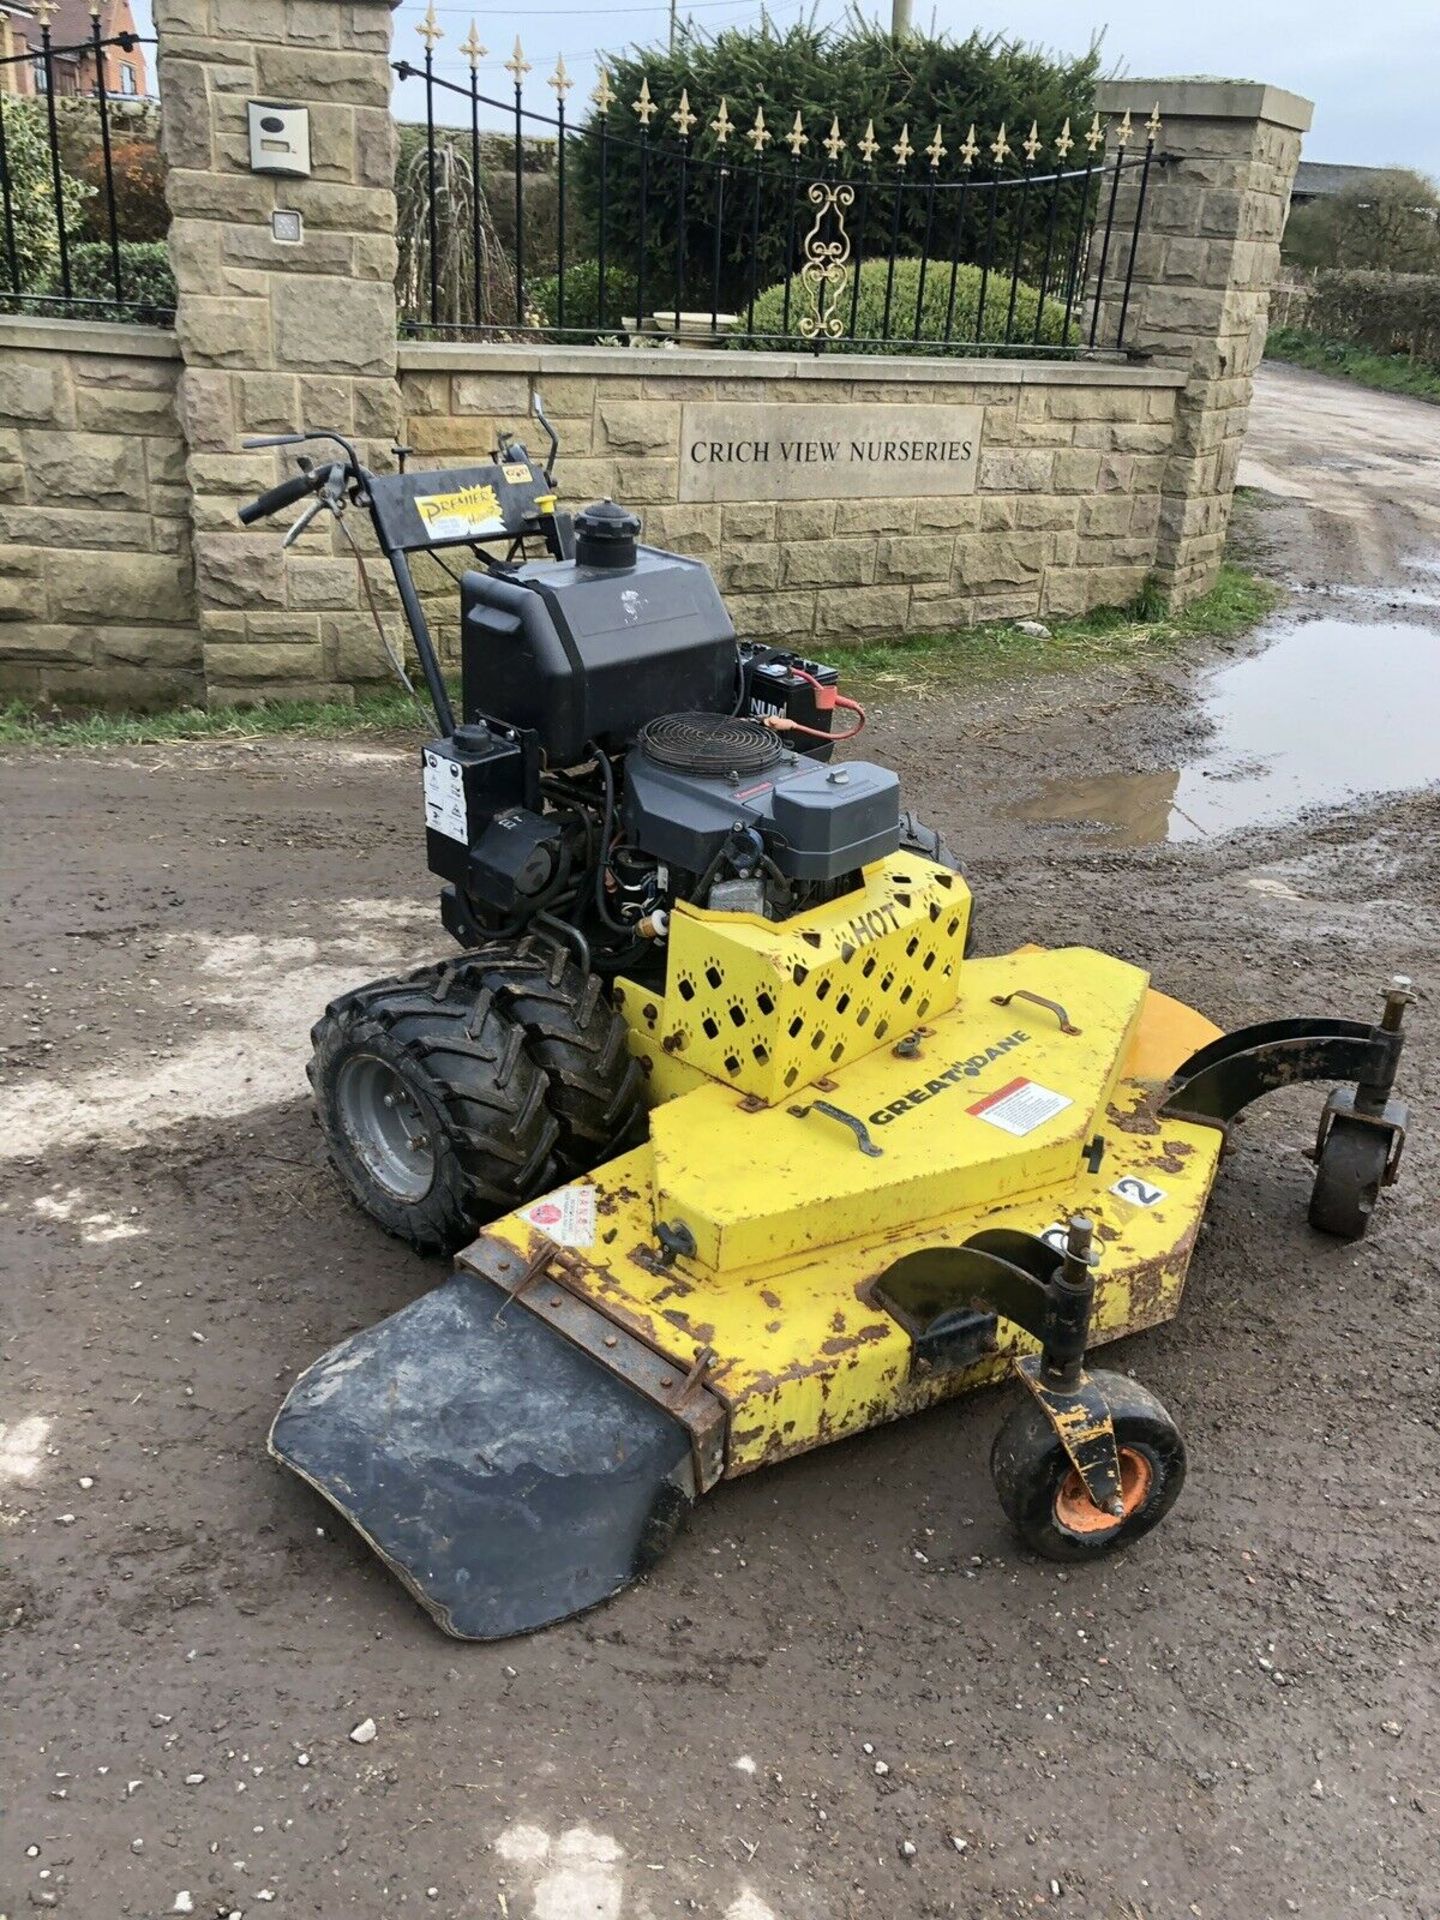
x=934 y=310
x=1386 y=312
x=852 y=72
x=146 y=277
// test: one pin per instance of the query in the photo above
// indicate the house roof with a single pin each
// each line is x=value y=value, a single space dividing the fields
x=1320 y=180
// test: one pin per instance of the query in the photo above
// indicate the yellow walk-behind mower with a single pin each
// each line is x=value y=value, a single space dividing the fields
x=738 y=1151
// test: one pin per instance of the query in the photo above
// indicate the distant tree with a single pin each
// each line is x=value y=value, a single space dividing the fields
x=1390 y=222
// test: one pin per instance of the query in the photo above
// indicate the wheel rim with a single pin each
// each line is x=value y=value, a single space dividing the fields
x=1076 y=1512
x=386 y=1126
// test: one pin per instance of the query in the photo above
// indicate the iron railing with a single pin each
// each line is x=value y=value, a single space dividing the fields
x=1012 y=247
x=47 y=262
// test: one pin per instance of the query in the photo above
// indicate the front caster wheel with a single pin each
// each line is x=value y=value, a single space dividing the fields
x=1044 y=1497
x=1349 y=1174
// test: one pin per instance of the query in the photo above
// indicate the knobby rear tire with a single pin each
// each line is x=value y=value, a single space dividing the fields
x=574 y=1034
x=918 y=836
x=465 y=1066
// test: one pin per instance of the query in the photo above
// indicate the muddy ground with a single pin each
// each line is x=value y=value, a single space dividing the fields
x=1238 y=1719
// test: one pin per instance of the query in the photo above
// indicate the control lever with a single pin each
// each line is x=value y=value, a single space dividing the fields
x=537 y=407
x=330 y=497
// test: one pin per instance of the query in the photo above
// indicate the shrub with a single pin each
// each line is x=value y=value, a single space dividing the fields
x=582 y=300
x=904 y=294
x=32 y=192
x=147 y=280
x=1386 y=312
x=138 y=175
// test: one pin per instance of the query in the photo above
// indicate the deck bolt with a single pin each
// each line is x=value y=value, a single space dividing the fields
x=1397 y=997
x=611 y=1341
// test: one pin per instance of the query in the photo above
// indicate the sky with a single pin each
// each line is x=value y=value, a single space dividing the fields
x=1371 y=69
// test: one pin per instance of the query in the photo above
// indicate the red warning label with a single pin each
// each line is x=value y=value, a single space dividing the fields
x=1020 y=1106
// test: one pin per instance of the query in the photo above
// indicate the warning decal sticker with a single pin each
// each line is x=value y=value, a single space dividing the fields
x=1020 y=1106
x=471 y=514
x=566 y=1216
x=445 y=798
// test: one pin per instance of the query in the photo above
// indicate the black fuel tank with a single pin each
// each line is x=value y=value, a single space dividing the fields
x=583 y=652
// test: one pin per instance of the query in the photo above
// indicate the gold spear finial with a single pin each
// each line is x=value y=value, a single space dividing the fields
x=869 y=146
x=902 y=148
x=604 y=94
x=429 y=29
x=1032 y=143
x=937 y=149
x=832 y=142
x=643 y=105
x=722 y=126
x=1123 y=131
x=796 y=138
x=517 y=64
x=684 y=119
x=968 y=149
x=1153 y=124
x=44 y=11
x=471 y=48
x=1000 y=146
x=1095 y=134
x=759 y=135
x=560 y=79
x=1064 y=143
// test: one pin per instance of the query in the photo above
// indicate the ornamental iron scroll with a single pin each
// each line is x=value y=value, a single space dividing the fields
x=825 y=272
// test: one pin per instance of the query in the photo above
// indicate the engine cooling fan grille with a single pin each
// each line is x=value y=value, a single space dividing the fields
x=710 y=743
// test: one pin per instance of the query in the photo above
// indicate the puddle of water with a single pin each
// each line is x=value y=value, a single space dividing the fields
x=1331 y=711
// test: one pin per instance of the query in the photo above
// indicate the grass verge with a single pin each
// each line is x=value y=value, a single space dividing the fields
x=1236 y=602
x=385 y=713
x=1390 y=372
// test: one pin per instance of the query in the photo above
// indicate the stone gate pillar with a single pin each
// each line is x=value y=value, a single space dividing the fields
x=278 y=332
x=1207 y=258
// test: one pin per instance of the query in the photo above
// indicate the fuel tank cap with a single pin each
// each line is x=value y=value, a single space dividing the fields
x=605 y=535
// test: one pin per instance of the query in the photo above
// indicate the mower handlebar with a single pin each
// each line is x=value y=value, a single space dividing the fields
x=285 y=495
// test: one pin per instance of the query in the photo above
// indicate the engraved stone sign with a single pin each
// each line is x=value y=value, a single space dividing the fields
x=873 y=452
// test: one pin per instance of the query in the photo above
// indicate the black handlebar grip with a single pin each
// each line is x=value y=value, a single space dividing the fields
x=284 y=495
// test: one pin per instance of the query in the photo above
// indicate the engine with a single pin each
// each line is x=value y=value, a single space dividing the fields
x=620 y=753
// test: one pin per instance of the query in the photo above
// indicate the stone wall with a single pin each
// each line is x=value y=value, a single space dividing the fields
x=1090 y=477
x=1070 y=466
x=1207 y=258
x=274 y=336
x=97 y=592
